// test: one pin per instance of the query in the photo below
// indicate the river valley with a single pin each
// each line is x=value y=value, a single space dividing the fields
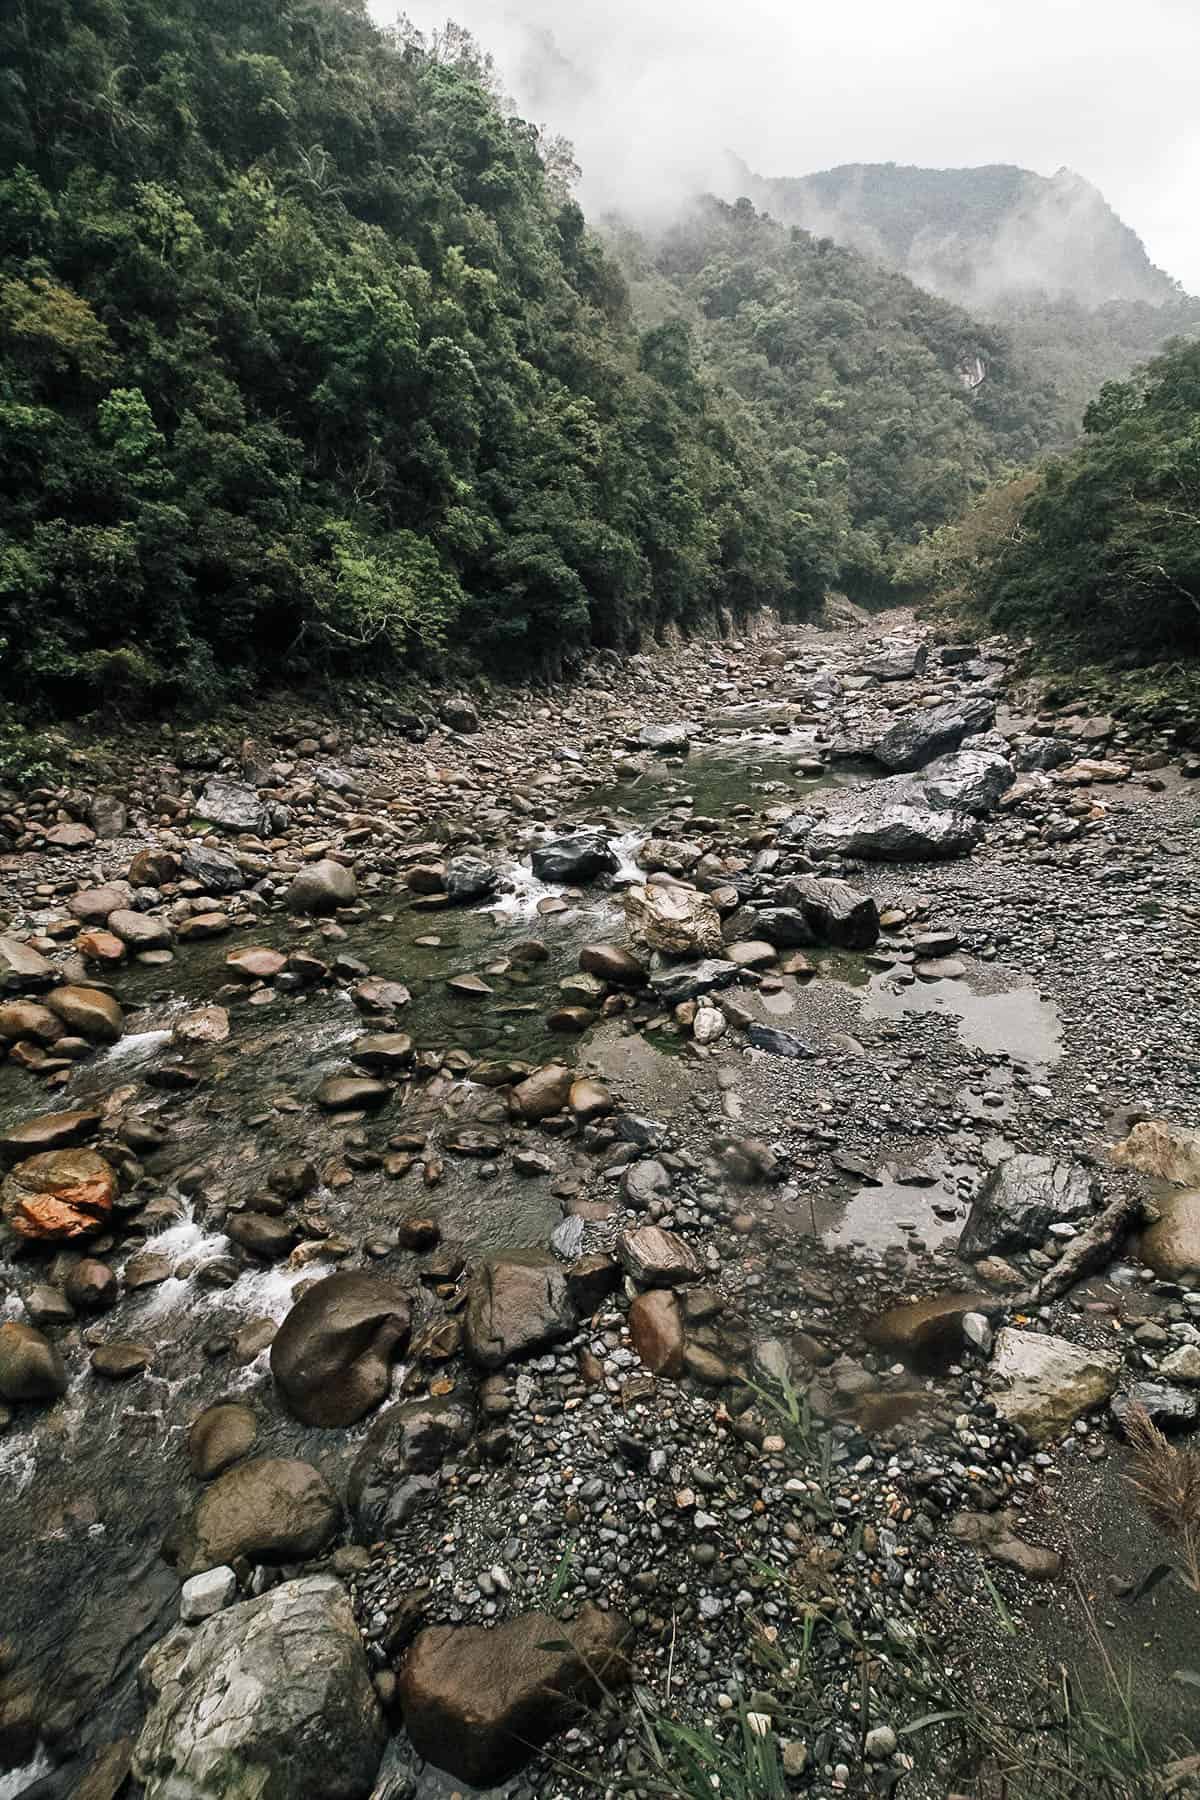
x=746 y=1107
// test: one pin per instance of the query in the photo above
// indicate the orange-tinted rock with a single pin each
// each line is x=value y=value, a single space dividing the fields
x=58 y=1195
x=100 y=947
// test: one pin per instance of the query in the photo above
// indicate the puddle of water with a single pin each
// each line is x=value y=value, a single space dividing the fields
x=722 y=775
x=1012 y=1021
x=892 y=1213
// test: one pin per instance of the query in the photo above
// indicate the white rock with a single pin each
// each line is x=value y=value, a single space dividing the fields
x=1043 y=1383
x=206 y=1594
x=1183 y=1365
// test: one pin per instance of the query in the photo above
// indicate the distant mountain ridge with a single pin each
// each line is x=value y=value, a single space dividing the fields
x=1045 y=257
x=978 y=236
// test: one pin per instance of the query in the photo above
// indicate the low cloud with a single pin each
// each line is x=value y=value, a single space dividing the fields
x=654 y=92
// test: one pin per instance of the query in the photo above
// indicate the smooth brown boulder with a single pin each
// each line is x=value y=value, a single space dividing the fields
x=332 y=1356
x=90 y=1013
x=121 y=1358
x=590 y=1099
x=347 y=1093
x=517 y=1302
x=656 y=1331
x=222 y=1435
x=477 y=1703
x=26 y=1019
x=543 y=1093
x=614 y=964
x=255 y=963
x=271 y=1509
x=204 y=925
x=58 y=1195
x=52 y=1131
x=1171 y=1246
x=262 y=1234
x=92 y=1286
x=30 y=1366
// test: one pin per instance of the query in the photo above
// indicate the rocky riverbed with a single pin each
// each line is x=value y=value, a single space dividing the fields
x=652 y=1199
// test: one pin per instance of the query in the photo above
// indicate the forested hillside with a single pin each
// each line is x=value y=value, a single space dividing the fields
x=309 y=362
x=893 y=405
x=1098 y=553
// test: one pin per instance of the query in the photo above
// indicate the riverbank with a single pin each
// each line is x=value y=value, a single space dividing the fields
x=634 y=1226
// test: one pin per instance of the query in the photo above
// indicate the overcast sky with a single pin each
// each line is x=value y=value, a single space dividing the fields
x=1111 y=88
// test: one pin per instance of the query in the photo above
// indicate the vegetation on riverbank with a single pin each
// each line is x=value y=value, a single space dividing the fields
x=1097 y=554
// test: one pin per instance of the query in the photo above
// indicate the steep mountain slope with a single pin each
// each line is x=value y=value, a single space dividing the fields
x=976 y=235
x=868 y=386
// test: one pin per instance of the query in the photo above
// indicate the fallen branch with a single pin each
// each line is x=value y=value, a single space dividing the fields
x=1086 y=1252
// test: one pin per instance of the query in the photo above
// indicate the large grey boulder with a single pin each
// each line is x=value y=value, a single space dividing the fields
x=969 y=780
x=1042 y=1383
x=269 y=1700
x=665 y=739
x=332 y=1356
x=517 y=1302
x=837 y=913
x=322 y=887
x=24 y=970
x=234 y=806
x=916 y=737
x=1020 y=1201
x=468 y=879
x=578 y=856
x=270 y=1509
x=896 y=662
x=216 y=872
x=878 y=829
x=687 y=981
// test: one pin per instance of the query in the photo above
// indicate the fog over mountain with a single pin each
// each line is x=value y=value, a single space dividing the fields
x=654 y=93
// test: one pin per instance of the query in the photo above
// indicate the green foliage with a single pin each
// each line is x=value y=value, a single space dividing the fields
x=1099 y=554
x=308 y=361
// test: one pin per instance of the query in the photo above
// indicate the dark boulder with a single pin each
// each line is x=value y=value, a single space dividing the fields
x=333 y=1354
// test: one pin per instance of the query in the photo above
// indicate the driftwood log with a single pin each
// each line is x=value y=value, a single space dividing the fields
x=1087 y=1252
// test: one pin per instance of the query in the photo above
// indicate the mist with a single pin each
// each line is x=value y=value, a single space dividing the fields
x=653 y=93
